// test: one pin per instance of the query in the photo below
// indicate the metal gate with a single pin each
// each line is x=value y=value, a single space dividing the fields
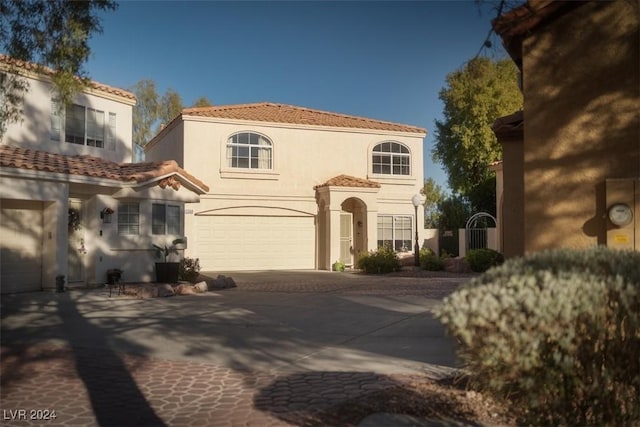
x=476 y=230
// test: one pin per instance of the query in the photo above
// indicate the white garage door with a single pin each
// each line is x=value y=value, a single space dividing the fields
x=20 y=246
x=255 y=243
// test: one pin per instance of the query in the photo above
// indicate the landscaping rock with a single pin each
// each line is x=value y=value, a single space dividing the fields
x=184 y=289
x=165 y=290
x=146 y=291
x=456 y=265
x=200 y=287
x=221 y=282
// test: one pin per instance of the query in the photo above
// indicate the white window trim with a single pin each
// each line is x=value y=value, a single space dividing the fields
x=58 y=126
x=391 y=175
x=393 y=229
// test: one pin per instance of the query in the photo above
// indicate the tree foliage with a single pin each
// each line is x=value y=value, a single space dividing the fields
x=474 y=97
x=433 y=197
x=454 y=213
x=145 y=112
x=170 y=106
x=203 y=101
x=49 y=33
x=152 y=111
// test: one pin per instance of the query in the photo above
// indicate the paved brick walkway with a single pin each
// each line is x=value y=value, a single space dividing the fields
x=86 y=387
x=89 y=386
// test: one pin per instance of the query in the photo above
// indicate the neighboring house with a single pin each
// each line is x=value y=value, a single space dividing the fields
x=70 y=202
x=572 y=157
x=293 y=187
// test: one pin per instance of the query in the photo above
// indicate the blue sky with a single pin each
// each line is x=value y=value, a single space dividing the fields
x=383 y=60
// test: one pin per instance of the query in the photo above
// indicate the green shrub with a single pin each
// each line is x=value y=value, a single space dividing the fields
x=557 y=333
x=338 y=266
x=189 y=269
x=382 y=261
x=430 y=261
x=480 y=260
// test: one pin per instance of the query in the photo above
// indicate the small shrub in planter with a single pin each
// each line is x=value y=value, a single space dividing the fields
x=382 y=261
x=557 y=334
x=338 y=266
x=480 y=260
x=189 y=269
x=430 y=261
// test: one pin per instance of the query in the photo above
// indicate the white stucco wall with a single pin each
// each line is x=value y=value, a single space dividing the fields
x=34 y=131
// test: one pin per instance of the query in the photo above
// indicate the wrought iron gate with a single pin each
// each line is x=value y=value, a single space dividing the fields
x=476 y=230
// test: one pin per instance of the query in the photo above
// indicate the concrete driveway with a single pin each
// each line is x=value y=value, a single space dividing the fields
x=274 y=324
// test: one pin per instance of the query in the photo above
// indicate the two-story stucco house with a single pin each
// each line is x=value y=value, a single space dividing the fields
x=71 y=203
x=572 y=157
x=294 y=187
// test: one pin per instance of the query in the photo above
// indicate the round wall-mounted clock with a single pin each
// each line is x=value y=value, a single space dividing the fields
x=620 y=214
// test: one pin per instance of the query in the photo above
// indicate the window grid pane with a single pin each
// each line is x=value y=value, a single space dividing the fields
x=173 y=220
x=158 y=219
x=249 y=151
x=391 y=158
x=74 y=127
x=395 y=232
x=128 y=218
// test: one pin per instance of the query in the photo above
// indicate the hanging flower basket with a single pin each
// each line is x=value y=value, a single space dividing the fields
x=74 y=219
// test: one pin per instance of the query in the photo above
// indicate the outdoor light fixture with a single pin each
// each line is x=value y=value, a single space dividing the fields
x=417 y=201
x=105 y=215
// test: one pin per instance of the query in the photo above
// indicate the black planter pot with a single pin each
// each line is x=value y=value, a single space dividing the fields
x=167 y=272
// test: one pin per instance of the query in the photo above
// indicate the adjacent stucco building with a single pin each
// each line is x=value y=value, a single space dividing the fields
x=294 y=187
x=574 y=152
x=71 y=201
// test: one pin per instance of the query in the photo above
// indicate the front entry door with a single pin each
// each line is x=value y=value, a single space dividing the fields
x=346 y=238
x=76 y=249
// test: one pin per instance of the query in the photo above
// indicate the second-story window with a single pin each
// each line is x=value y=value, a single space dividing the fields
x=249 y=150
x=83 y=125
x=391 y=158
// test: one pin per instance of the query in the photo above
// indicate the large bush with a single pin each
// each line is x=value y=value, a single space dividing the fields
x=557 y=333
x=430 y=261
x=480 y=260
x=382 y=261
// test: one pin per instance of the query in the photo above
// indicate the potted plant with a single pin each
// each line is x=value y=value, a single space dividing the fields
x=166 y=271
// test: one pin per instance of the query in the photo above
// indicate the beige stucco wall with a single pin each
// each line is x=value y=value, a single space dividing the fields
x=303 y=157
x=34 y=131
x=582 y=124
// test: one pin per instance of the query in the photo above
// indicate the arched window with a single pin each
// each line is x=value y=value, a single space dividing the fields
x=391 y=158
x=248 y=150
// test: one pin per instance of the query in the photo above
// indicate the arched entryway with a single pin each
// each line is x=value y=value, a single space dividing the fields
x=353 y=235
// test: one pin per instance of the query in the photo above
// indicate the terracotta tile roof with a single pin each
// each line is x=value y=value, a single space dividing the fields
x=509 y=127
x=24 y=158
x=282 y=113
x=514 y=25
x=35 y=68
x=348 y=181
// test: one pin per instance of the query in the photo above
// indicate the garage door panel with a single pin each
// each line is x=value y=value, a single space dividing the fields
x=20 y=246
x=255 y=242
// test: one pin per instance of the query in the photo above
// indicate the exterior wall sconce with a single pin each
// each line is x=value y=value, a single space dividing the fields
x=105 y=215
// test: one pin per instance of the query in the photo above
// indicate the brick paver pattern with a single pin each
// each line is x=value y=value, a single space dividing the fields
x=92 y=387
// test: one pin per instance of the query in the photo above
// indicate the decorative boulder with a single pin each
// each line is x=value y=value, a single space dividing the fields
x=184 y=289
x=456 y=265
x=165 y=290
x=221 y=282
x=200 y=287
x=146 y=291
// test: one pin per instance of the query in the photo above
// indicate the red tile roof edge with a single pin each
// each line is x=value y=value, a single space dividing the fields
x=40 y=69
x=348 y=181
x=391 y=126
x=90 y=166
